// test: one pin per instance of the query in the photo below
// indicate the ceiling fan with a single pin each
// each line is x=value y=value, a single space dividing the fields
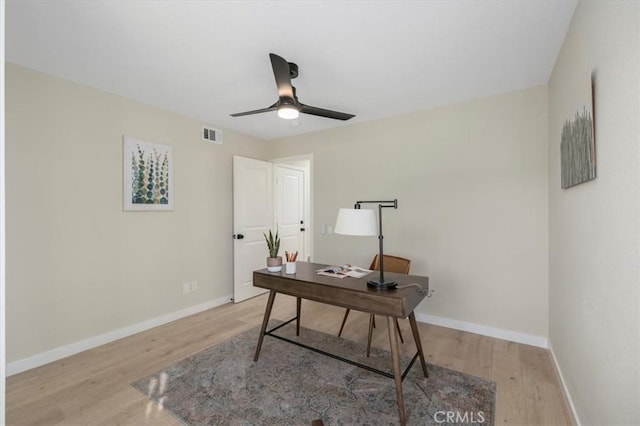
x=288 y=106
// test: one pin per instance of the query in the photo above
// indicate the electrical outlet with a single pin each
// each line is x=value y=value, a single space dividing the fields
x=186 y=288
x=194 y=285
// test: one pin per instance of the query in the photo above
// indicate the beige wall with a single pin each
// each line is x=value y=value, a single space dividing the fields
x=471 y=183
x=77 y=265
x=594 y=238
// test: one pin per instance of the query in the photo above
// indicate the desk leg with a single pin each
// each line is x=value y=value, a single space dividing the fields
x=397 y=374
x=416 y=338
x=371 y=325
x=298 y=309
x=265 y=321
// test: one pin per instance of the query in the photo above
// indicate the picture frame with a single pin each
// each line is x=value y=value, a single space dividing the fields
x=578 y=144
x=147 y=175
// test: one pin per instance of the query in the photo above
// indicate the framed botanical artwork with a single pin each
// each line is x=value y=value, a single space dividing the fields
x=148 y=175
x=578 y=144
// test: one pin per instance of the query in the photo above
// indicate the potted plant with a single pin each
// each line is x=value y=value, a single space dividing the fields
x=274 y=262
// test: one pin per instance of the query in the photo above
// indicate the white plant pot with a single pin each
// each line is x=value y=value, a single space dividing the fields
x=274 y=264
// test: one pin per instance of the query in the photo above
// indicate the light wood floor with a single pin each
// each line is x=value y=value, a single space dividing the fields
x=93 y=387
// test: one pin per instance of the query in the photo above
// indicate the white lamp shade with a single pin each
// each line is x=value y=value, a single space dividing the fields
x=359 y=222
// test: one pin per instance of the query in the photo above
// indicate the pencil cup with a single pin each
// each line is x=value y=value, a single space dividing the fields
x=290 y=267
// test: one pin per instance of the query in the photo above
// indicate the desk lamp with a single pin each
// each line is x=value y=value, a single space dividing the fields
x=363 y=223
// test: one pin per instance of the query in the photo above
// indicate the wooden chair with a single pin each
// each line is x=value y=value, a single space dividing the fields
x=391 y=264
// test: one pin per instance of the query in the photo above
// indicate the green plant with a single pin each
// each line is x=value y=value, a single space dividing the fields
x=273 y=243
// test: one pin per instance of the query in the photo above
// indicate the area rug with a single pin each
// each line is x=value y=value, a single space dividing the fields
x=291 y=385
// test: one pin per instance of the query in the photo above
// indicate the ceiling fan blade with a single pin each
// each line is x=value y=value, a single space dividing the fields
x=282 y=74
x=321 y=112
x=255 y=111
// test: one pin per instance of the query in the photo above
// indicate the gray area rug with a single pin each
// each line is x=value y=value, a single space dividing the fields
x=290 y=385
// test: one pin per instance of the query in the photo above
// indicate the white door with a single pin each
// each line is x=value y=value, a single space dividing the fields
x=252 y=216
x=289 y=210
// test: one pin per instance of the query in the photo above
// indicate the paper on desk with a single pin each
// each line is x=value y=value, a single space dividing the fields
x=343 y=271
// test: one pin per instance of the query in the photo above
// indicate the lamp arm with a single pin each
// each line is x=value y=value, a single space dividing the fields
x=392 y=203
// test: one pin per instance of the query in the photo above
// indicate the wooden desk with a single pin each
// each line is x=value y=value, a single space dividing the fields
x=352 y=293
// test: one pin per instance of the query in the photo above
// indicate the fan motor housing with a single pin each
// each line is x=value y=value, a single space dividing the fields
x=293 y=70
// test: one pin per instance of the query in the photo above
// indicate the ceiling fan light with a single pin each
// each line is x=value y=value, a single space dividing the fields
x=288 y=112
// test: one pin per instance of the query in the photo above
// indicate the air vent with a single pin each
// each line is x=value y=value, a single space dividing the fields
x=211 y=135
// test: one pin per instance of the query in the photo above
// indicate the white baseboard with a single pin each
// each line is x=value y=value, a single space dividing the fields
x=74 y=348
x=567 y=395
x=484 y=330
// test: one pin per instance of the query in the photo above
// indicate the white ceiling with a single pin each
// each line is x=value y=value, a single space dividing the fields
x=208 y=59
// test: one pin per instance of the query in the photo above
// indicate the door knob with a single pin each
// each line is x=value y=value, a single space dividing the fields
x=238 y=236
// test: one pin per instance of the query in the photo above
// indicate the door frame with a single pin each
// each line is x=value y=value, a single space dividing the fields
x=304 y=163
